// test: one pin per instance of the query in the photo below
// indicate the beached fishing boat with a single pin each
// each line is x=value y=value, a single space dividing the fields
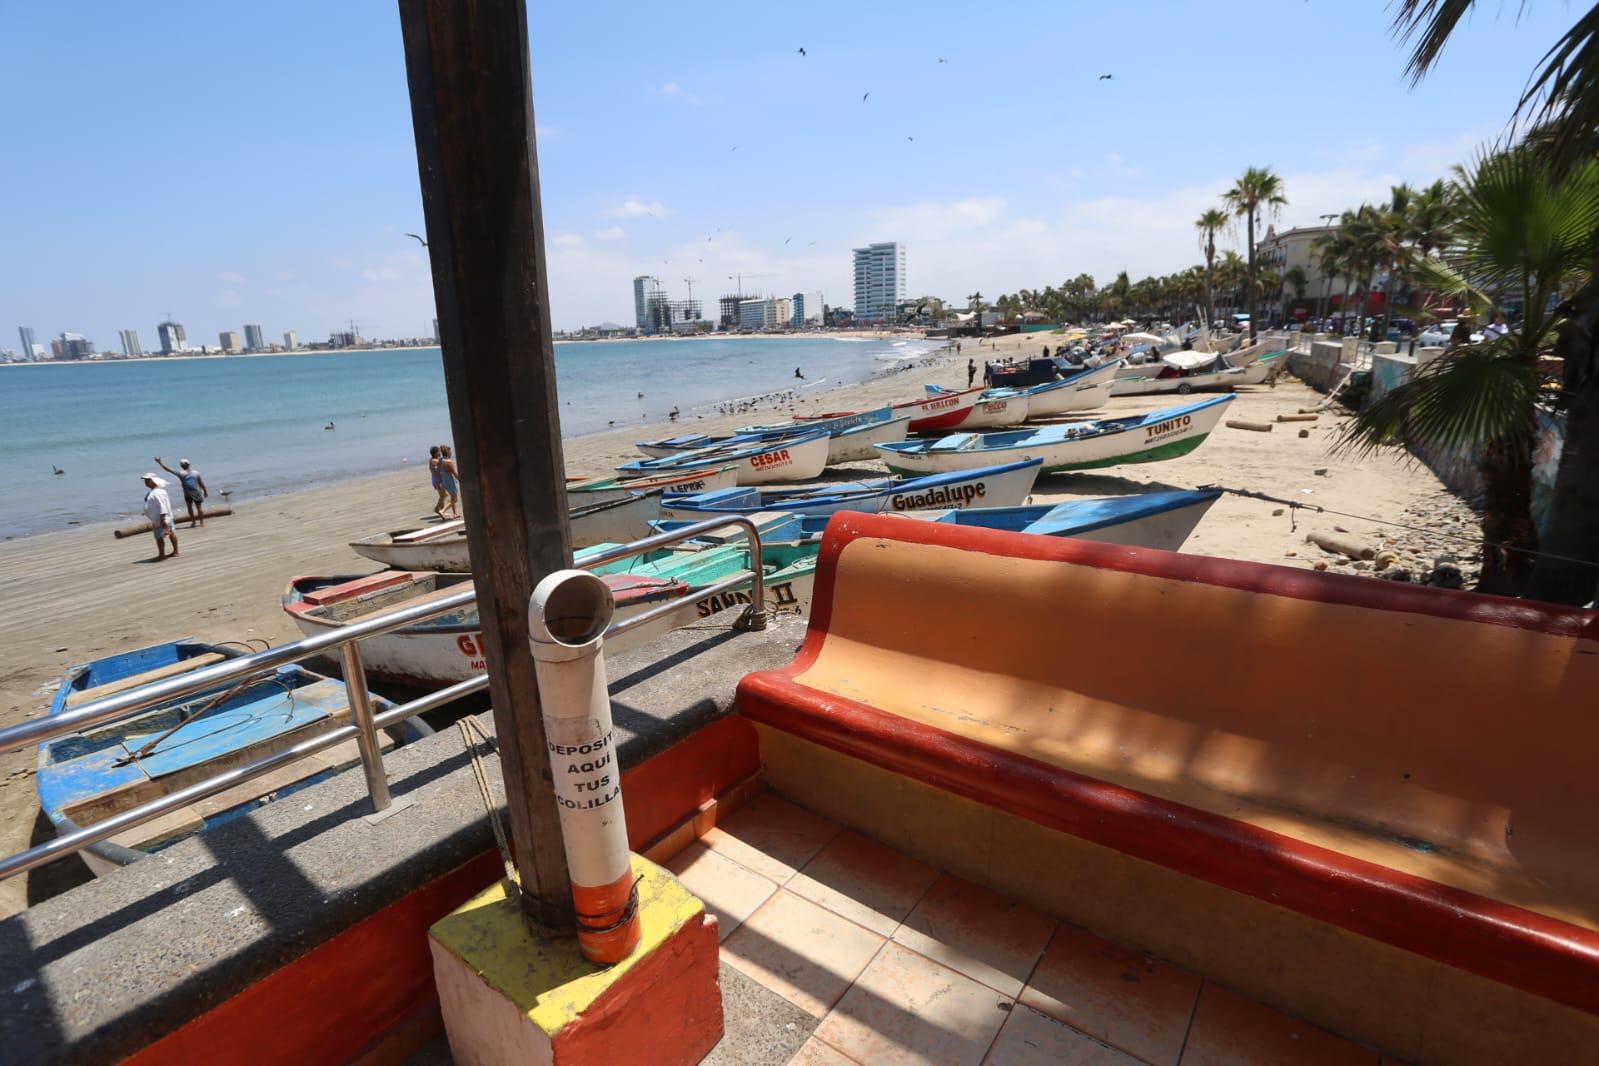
x=1261 y=370
x=762 y=463
x=1003 y=485
x=932 y=414
x=443 y=546
x=1084 y=390
x=848 y=441
x=1148 y=438
x=995 y=408
x=1144 y=520
x=581 y=491
x=1180 y=372
x=449 y=648
x=87 y=777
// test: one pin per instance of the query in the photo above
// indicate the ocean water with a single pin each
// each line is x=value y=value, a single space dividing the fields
x=254 y=425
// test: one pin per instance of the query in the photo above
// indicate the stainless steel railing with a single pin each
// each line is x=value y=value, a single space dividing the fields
x=364 y=725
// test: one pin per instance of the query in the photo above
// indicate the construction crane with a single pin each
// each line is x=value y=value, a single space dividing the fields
x=740 y=279
x=690 y=283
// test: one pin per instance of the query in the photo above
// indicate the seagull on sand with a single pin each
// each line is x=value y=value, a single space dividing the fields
x=418 y=240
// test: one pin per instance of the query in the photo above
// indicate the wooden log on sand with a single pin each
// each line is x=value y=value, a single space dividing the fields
x=1256 y=427
x=1297 y=418
x=185 y=520
x=1342 y=545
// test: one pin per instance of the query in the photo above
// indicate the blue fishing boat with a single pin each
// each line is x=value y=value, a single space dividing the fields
x=1147 y=520
x=758 y=463
x=1005 y=485
x=86 y=777
x=850 y=437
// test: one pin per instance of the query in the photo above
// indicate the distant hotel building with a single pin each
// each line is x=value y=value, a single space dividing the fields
x=230 y=340
x=645 y=290
x=435 y=331
x=72 y=346
x=130 y=342
x=28 y=343
x=291 y=341
x=879 y=281
x=807 y=310
x=253 y=341
x=173 y=339
x=770 y=313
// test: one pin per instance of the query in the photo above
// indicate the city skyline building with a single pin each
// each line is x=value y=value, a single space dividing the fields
x=645 y=290
x=253 y=340
x=72 y=346
x=808 y=310
x=229 y=340
x=173 y=337
x=291 y=340
x=435 y=331
x=130 y=342
x=765 y=312
x=25 y=333
x=879 y=271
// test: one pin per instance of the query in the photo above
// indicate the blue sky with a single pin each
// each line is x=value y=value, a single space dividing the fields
x=254 y=163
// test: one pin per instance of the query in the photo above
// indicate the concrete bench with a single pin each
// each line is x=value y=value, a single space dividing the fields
x=1367 y=803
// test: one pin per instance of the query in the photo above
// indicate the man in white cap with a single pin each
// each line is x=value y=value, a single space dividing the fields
x=158 y=509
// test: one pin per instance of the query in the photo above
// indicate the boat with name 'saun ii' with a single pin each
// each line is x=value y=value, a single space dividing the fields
x=1003 y=485
x=443 y=546
x=758 y=463
x=1148 y=438
x=86 y=777
x=1161 y=520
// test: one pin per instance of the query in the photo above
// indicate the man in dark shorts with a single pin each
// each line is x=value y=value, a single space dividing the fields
x=194 y=490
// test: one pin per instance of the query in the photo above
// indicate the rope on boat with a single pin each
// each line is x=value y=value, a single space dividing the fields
x=184 y=718
x=470 y=726
x=1300 y=505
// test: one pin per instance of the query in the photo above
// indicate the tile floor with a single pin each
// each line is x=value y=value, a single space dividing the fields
x=899 y=962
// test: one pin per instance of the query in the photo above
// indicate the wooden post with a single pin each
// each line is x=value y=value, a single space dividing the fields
x=472 y=110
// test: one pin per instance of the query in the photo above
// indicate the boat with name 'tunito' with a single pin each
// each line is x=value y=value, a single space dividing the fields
x=1148 y=438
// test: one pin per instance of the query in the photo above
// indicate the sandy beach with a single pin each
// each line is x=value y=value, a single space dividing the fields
x=77 y=595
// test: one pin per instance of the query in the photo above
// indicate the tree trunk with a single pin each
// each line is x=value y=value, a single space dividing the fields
x=1573 y=520
x=1507 y=524
x=1251 y=228
x=1210 y=286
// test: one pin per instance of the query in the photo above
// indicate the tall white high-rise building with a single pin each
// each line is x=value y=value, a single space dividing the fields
x=645 y=289
x=173 y=338
x=230 y=340
x=291 y=341
x=130 y=342
x=879 y=281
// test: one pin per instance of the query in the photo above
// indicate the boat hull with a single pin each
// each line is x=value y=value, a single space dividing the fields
x=991 y=486
x=797 y=460
x=861 y=442
x=1083 y=393
x=1159 y=436
x=1146 y=386
x=583 y=492
x=1000 y=411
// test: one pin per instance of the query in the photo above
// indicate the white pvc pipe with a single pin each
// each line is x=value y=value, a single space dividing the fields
x=567 y=617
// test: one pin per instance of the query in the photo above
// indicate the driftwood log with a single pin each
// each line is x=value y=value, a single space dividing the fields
x=177 y=520
x=1342 y=544
x=1297 y=418
x=1257 y=427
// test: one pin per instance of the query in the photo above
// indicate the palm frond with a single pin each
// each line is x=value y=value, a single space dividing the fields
x=1563 y=94
x=1429 y=23
x=1477 y=395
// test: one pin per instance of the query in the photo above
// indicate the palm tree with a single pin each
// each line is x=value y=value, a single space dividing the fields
x=1209 y=224
x=1231 y=273
x=1562 y=102
x=974 y=302
x=1257 y=193
x=1519 y=231
x=1295 y=278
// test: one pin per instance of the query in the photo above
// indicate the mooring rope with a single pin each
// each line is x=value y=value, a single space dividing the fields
x=470 y=726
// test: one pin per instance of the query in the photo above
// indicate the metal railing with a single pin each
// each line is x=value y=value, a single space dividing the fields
x=364 y=725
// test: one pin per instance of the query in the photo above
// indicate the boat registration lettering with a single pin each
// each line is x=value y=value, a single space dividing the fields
x=1168 y=427
x=471 y=646
x=939 y=405
x=953 y=496
x=778 y=597
x=766 y=459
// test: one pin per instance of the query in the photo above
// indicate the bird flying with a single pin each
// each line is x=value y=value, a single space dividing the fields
x=787 y=240
x=418 y=240
x=1106 y=77
x=864 y=95
x=941 y=59
x=802 y=51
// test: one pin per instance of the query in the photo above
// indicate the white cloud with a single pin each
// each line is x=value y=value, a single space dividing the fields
x=381 y=274
x=568 y=240
x=676 y=92
x=935 y=221
x=633 y=207
x=228 y=277
x=610 y=233
x=228 y=298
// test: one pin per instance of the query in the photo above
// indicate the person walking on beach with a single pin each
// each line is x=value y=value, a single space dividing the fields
x=447 y=480
x=971 y=372
x=436 y=474
x=158 y=509
x=194 y=490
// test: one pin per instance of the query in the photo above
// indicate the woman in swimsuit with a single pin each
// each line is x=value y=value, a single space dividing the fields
x=447 y=478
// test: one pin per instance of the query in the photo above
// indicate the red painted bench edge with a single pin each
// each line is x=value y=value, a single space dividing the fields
x=1502 y=942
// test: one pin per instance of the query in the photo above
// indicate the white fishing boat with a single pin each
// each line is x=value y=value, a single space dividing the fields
x=443 y=546
x=1145 y=438
x=796 y=459
x=1083 y=391
x=1179 y=372
x=850 y=438
x=995 y=408
x=1262 y=370
x=583 y=491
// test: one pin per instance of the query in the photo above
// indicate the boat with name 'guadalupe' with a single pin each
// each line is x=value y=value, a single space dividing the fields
x=1147 y=438
x=1003 y=485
